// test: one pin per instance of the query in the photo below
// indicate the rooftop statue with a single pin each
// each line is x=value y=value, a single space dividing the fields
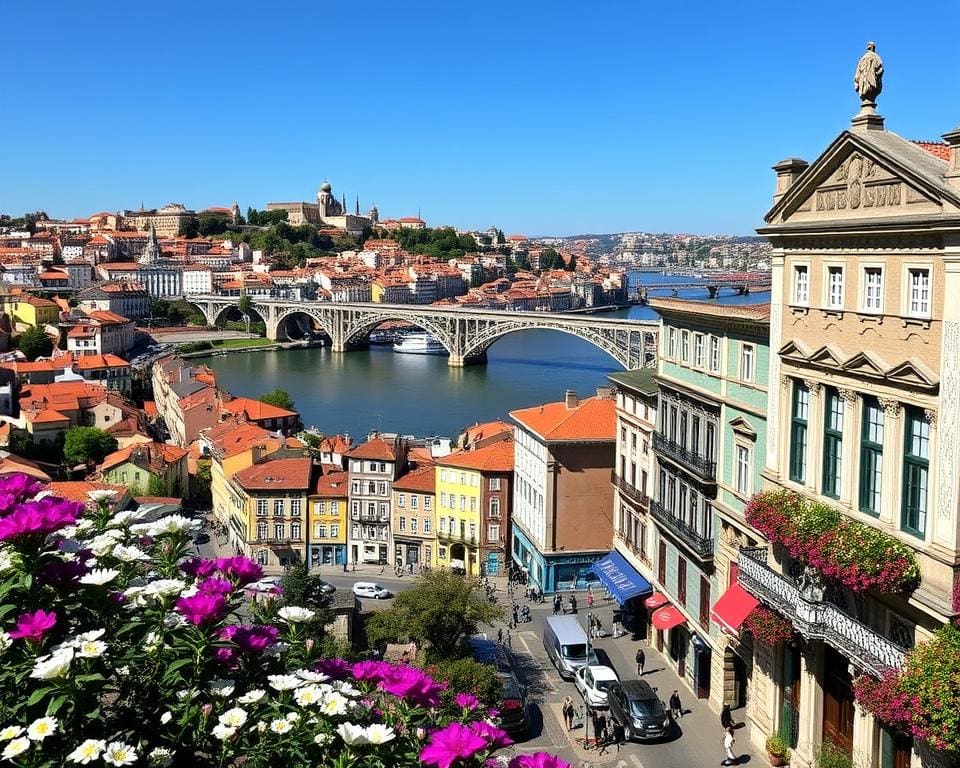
x=868 y=79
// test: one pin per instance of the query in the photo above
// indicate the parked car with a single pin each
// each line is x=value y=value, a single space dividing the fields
x=593 y=681
x=326 y=587
x=513 y=708
x=637 y=707
x=566 y=644
x=266 y=584
x=371 y=589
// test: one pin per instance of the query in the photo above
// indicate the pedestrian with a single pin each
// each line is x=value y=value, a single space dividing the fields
x=344 y=567
x=641 y=660
x=573 y=603
x=729 y=741
x=516 y=614
x=509 y=640
x=595 y=724
x=599 y=628
x=557 y=600
x=589 y=600
x=567 y=710
x=602 y=733
x=676 y=708
x=619 y=734
x=726 y=717
x=500 y=635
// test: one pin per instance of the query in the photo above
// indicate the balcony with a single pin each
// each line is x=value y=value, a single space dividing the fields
x=699 y=465
x=279 y=541
x=456 y=538
x=370 y=517
x=696 y=542
x=802 y=603
x=628 y=490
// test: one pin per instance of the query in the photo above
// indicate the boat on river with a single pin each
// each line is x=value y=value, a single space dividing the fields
x=419 y=344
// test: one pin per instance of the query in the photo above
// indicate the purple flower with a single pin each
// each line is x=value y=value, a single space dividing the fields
x=215 y=587
x=251 y=638
x=41 y=516
x=336 y=669
x=371 y=670
x=241 y=570
x=413 y=685
x=61 y=574
x=450 y=744
x=200 y=608
x=538 y=760
x=198 y=567
x=19 y=486
x=495 y=737
x=227 y=656
x=466 y=701
x=33 y=626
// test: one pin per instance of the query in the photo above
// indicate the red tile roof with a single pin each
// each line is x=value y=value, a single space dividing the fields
x=231 y=437
x=277 y=475
x=254 y=410
x=497 y=457
x=333 y=485
x=377 y=448
x=592 y=420
x=937 y=148
x=758 y=312
x=77 y=490
x=155 y=455
x=421 y=480
x=487 y=430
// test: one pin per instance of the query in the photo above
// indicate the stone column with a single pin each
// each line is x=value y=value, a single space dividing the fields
x=892 y=456
x=864 y=728
x=811 y=705
x=850 y=453
x=941 y=517
x=773 y=461
x=814 y=435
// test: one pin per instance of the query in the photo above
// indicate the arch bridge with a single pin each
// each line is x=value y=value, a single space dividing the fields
x=465 y=333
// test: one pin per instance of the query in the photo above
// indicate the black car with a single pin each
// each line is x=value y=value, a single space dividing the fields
x=513 y=708
x=636 y=706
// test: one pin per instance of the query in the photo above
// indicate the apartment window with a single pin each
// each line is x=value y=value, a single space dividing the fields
x=372 y=466
x=746 y=362
x=920 y=292
x=403 y=523
x=441 y=552
x=494 y=507
x=279 y=531
x=685 y=346
x=426 y=525
x=355 y=532
x=262 y=556
x=356 y=486
x=383 y=488
x=334 y=531
x=383 y=511
x=414 y=501
x=698 y=350
x=261 y=530
x=681 y=580
x=443 y=499
x=801 y=284
x=916 y=472
x=682 y=436
x=711 y=447
x=427 y=503
x=294 y=531
x=261 y=507
x=401 y=501
x=662 y=563
x=473 y=503
x=672 y=342
x=493 y=532
x=835 y=287
x=320 y=507
x=463 y=478
x=873 y=289
x=371 y=509
x=715 y=353
x=832 y=441
x=320 y=531
x=473 y=531
x=493 y=484
x=705 y=603
x=463 y=503
x=295 y=507
x=383 y=466
x=643 y=541
x=278 y=506
x=798 y=432
x=355 y=509
x=743 y=470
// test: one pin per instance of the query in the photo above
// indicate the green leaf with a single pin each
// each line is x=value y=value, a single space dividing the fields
x=37 y=695
x=54 y=706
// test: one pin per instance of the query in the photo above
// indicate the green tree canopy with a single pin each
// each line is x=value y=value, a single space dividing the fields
x=441 y=610
x=550 y=259
x=35 y=343
x=189 y=227
x=87 y=445
x=279 y=398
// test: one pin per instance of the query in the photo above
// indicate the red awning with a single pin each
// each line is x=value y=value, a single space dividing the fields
x=656 y=600
x=667 y=617
x=732 y=608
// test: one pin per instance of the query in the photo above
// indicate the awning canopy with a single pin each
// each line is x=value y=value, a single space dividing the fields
x=620 y=577
x=732 y=608
x=667 y=617
x=656 y=600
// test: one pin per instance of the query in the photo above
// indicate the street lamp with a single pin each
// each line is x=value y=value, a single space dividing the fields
x=586 y=699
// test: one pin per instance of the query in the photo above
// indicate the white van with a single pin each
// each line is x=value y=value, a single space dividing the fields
x=566 y=644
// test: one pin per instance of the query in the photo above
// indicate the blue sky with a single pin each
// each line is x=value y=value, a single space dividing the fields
x=538 y=117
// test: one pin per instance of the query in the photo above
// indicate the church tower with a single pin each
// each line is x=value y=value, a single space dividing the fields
x=151 y=254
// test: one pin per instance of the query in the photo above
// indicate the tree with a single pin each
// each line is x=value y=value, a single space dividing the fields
x=156 y=486
x=441 y=610
x=87 y=445
x=245 y=304
x=550 y=259
x=279 y=398
x=35 y=343
x=189 y=227
x=572 y=264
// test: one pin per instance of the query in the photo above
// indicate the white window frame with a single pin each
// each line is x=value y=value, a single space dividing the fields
x=699 y=350
x=907 y=291
x=830 y=300
x=742 y=469
x=872 y=296
x=748 y=351
x=671 y=343
x=715 y=354
x=801 y=297
x=685 y=346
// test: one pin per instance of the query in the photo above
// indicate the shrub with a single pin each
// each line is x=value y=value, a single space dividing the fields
x=830 y=755
x=768 y=626
x=777 y=747
x=471 y=676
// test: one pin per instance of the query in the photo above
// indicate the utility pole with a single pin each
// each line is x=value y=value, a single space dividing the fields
x=586 y=700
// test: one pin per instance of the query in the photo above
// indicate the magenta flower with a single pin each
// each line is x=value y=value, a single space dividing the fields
x=198 y=567
x=371 y=670
x=466 y=700
x=450 y=744
x=19 y=486
x=538 y=760
x=251 y=638
x=42 y=516
x=33 y=626
x=239 y=569
x=215 y=587
x=496 y=737
x=336 y=669
x=413 y=685
x=61 y=574
x=199 y=608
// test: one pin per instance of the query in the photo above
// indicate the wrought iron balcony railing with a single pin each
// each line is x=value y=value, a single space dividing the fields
x=695 y=462
x=700 y=545
x=815 y=619
x=279 y=540
x=628 y=490
x=457 y=537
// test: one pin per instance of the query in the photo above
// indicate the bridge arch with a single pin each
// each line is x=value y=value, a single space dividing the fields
x=364 y=325
x=478 y=345
x=258 y=313
x=278 y=328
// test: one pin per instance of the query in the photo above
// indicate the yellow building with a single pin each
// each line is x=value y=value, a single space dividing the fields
x=269 y=502
x=34 y=311
x=459 y=509
x=327 y=524
x=413 y=520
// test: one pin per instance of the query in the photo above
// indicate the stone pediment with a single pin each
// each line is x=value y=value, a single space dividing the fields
x=743 y=427
x=795 y=350
x=866 y=364
x=913 y=372
x=827 y=355
x=867 y=176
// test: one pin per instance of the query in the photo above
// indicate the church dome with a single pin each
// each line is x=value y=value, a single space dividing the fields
x=325 y=187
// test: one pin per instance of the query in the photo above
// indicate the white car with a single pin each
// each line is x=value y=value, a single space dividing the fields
x=593 y=681
x=266 y=584
x=371 y=589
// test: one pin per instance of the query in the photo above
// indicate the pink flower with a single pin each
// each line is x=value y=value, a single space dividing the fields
x=201 y=608
x=18 y=486
x=241 y=570
x=33 y=626
x=371 y=670
x=538 y=760
x=450 y=744
x=466 y=701
x=413 y=685
x=43 y=516
x=251 y=638
x=215 y=587
x=198 y=567
x=337 y=669
x=495 y=737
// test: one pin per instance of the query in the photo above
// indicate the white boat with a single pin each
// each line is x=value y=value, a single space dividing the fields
x=420 y=344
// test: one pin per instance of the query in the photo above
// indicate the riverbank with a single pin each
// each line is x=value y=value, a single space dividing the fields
x=265 y=346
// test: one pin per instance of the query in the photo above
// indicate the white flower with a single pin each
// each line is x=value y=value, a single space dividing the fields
x=102 y=544
x=222 y=688
x=42 y=727
x=101 y=494
x=15 y=747
x=335 y=703
x=123 y=671
x=322 y=739
x=293 y=717
x=186 y=695
x=378 y=733
x=93 y=634
x=252 y=697
x=53 y=665
x=123 y=517
x=308 y=695
x=10 y=732
x=99 y=576
x=281 y=725
x=91 y=649
x=284 y=682
x=7 y=560
x=127 y=555
x=84 y=524
x=346 y=688
x=160 y=757
x=223 y=732
x=166 y=717
x=164 y=588
x=152 y=642
x=119 y=753
x=352 y=734
x=234 y=718
x=310 y=676
x=172 y=524
x=87 y=752
x=294 y=614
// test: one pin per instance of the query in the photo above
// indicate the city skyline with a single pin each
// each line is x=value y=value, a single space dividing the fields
x=546 y=124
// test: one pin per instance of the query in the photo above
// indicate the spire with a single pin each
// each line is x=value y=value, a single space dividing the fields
x=151 y=255
x=343 y=202
x=357 y=209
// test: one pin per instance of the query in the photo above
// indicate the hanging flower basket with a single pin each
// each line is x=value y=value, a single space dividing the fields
x=768 y=627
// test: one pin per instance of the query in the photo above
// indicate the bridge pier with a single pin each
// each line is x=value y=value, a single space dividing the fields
x=713 y=290
x=461 y=361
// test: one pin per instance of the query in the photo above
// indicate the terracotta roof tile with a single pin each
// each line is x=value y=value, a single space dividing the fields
x=255 y=410
x=421 y=480
x=593 y=419
x=497 y=457
x=936 y=148
x=377 y=448
x=333 y=484
x=758 y=312
x=280 y=474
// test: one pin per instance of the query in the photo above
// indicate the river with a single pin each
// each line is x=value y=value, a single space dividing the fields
x=420 y=395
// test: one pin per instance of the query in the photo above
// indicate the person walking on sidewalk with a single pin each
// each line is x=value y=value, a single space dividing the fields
x=567 y=710
x=729 y=741
x=726 y=717
x=557 y=601
x=676 y=708
x=641 y=660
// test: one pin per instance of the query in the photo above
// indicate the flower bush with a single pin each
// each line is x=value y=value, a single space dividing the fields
x=924 y=698
x=119 y=648
x=847 y=552
x=768 y=626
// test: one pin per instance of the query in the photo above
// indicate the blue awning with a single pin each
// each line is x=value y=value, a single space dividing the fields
x=620 y=577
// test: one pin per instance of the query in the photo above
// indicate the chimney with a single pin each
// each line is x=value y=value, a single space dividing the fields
x=788 y=171
x=605 y=392
x=953 y=172
x=571 y=399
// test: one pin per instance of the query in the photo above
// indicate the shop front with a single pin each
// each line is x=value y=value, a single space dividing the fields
x=627 y=587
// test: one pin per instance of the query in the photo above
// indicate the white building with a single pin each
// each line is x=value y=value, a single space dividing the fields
x=197 y=279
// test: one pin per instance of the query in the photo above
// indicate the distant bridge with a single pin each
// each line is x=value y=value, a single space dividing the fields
x=465 y=333
x=741 y=284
